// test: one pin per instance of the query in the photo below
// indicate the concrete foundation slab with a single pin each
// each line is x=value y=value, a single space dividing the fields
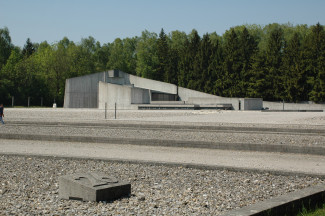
x=92 y=187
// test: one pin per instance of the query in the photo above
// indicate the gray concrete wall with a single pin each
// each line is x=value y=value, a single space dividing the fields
x=251 y=103
x=111 y=94
x=122 y=78
x=66 y=102
x=140 y=96
x=81 y=92
x=125 y=97
x=117 y=77
x=214 y=101
x=185 y=94
x=152 y=84
x=292 y=106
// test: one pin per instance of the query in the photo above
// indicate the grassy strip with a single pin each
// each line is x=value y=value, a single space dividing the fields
x=317 y=212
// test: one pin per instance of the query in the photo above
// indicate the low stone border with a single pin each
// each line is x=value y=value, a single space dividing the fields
x=173 y=164
x=287 y=204
x=313 y=150
x=292 y=110
x=318 y=132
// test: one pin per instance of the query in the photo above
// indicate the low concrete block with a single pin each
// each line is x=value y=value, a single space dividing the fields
x=287 y=204
x=92 y=187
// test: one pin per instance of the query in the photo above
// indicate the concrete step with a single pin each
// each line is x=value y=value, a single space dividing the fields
x=274 y=163
x=283 y=148
x=146 y=126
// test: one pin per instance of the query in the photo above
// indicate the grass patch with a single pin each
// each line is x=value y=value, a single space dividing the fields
x=317 y=212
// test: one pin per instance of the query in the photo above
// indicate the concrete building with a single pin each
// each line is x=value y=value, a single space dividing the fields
x=132 y=92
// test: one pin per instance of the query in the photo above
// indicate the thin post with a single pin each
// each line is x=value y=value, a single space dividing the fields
x=12 y=101
x=41 y=101
x=115 y=111
x=105 y=110
x=28 y=101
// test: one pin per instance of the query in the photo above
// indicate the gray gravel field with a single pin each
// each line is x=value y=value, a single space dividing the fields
x=29 y=186
x=166 y=134
x=313 y=120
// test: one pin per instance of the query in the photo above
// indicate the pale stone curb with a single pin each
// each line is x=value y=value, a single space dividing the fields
x=287 y=204
x=318 y=132
x=313 y=150
x=174 y=164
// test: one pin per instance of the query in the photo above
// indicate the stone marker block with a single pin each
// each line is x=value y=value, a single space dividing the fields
x=92 y=187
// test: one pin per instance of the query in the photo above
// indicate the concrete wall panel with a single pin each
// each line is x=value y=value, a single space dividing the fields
x=152 y=84
x=214 y=101
x=66 y=103
x=111 y=94
x=140 y=96
x=251 y=104
x=81 y=92
x=292 y=106
x=185 y=94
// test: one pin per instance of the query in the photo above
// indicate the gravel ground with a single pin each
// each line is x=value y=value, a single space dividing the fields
x=198 y=117
x=192 y=135
x=29 y=186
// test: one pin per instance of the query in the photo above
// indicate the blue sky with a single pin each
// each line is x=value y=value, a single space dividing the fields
x=51 y=20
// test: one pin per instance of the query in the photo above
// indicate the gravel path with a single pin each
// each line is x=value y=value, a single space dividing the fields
x=268 y=161
x=166 y=134
x=198 y=117
x=29 y=186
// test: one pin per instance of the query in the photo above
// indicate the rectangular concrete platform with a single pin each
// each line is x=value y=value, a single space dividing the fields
x=92 y=187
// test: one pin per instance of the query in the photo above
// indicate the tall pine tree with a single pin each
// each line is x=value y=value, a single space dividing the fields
x=316 y=65
x=232 y=65
x=295 y=79
x=162 y=72
x=203 y=77
x=29 y=48
x=247 y=48
x=274 y=77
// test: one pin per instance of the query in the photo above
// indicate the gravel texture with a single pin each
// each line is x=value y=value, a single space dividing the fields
x=167 y=134
x=314 y=120
x=29 y=186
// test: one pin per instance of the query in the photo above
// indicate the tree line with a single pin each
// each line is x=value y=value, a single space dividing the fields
x=275 y=62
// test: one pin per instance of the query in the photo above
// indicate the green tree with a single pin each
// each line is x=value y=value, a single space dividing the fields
x=122 y=55
x=29 y=48
x=247 y=49
x=163 y=73
x=258 y=79
x=147 y=59
x=101 y=56
x=274 y=84
x=295 y=78
x=5 y=46
x=232 y=65
x=216 y=65
x=315 y=53
x=203 y=76
x=9 y=78
x=187 y=70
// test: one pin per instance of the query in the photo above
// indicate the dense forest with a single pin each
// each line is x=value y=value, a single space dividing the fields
x=275 y=62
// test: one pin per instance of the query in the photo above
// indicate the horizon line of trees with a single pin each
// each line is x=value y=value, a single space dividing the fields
x=274 y=62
